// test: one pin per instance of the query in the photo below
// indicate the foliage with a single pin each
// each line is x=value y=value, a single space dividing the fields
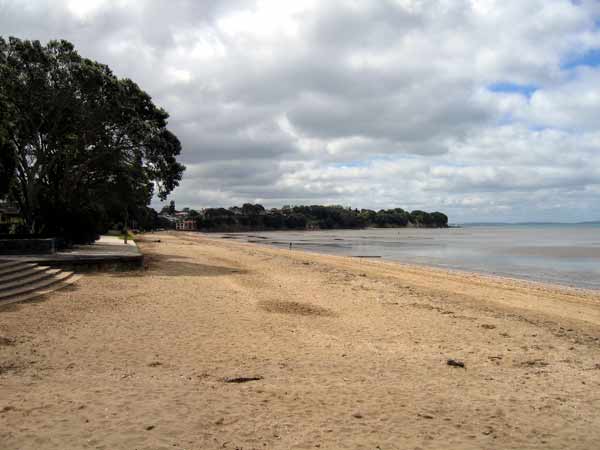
x=7 y=166
x=255 y=217
x=89 y=148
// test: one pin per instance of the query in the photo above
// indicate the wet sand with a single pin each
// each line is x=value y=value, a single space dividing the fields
x=221 y=344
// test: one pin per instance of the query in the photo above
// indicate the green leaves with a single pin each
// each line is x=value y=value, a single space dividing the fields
x=7 y=166
x=83 y=139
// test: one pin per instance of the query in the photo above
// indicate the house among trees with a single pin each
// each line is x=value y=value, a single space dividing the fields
x=9 y=216
x=186 y=225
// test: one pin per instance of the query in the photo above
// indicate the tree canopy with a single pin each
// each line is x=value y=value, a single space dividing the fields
x=7 y=166
x=79 y=146
x=255 y=217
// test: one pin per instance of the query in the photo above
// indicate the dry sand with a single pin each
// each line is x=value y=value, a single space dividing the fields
x=349 y=354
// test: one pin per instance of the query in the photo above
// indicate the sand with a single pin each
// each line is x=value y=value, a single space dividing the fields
x=220 y=344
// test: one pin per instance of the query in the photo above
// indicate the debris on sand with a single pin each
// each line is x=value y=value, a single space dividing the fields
x=8 y=366
x=296 y=308
x=6 y=341
x=455 y=363
x=535 y=363
x=150 y=427
x=242 y=379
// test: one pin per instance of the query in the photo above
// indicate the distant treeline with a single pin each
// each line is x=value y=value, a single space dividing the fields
x=255 y=217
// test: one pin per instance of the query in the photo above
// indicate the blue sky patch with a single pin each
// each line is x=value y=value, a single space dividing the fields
x=351 y=164
x=590 y=59
x=514 y=88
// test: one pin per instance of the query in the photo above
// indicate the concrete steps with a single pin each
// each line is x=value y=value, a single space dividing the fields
x=22 y=281
x=13 y=266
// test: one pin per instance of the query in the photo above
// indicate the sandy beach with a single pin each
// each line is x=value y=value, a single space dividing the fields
x=227 y=345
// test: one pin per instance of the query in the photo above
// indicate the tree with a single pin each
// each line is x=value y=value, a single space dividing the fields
x=172 y=209
x=249 y=209
x=421 y=218
x=7 y=167
x=439 y=219
x=193 y=214
x=7 y=154
x=368 y=215
x=88 y=147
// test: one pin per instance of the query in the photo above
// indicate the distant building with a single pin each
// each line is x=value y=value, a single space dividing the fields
x=168 y=217
x=9 y=214
x=186 y=225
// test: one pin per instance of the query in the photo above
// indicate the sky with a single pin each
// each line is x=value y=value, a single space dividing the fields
x=486 y=110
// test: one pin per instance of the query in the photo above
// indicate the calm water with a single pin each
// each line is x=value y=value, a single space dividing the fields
x=564 y=254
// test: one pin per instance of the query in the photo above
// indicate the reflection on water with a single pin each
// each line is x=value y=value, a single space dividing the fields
x=565 y=254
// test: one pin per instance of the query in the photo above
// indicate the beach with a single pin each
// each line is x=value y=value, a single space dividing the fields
x=222 y=344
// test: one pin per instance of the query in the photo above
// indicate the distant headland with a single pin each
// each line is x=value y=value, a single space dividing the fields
x=255 y=217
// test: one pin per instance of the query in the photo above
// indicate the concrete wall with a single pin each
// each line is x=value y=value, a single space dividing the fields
x=27 y=246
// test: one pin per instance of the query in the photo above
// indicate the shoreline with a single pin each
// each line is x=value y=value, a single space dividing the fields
x=462 y=281
x=380 y=259
x=221 y=344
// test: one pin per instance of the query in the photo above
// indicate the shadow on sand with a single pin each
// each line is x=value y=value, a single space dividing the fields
x=178 y=266
x=11 y=307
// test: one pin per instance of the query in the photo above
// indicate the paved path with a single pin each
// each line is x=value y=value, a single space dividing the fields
x=107 y=249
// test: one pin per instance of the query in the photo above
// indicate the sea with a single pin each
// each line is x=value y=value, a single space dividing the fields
x=566 y=254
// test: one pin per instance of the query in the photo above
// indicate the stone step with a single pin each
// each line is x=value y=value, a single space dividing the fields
x=15 y=267
x=25 y=272
x=38 y=285
x=73 y=278
x=27 y=277
x=8 y=262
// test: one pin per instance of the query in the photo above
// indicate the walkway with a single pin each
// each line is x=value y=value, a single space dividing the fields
x=107 y=250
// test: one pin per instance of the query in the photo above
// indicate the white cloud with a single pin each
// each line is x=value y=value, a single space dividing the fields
x=369 y=103
x=573 y=104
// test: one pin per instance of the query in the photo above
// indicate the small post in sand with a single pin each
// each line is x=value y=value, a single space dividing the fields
x=125 y=230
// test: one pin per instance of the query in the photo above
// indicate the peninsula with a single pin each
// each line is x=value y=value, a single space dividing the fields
x=255 y=217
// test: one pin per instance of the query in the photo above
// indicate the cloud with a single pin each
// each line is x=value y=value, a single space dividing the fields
x=485 y=109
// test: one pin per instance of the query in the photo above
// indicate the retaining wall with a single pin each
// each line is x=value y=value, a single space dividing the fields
x=27 y=246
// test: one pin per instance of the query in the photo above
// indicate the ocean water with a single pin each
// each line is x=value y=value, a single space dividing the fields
x=561 y=254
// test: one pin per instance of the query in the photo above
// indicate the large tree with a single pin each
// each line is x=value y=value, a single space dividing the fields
x=7 y=167
x=88 y=147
